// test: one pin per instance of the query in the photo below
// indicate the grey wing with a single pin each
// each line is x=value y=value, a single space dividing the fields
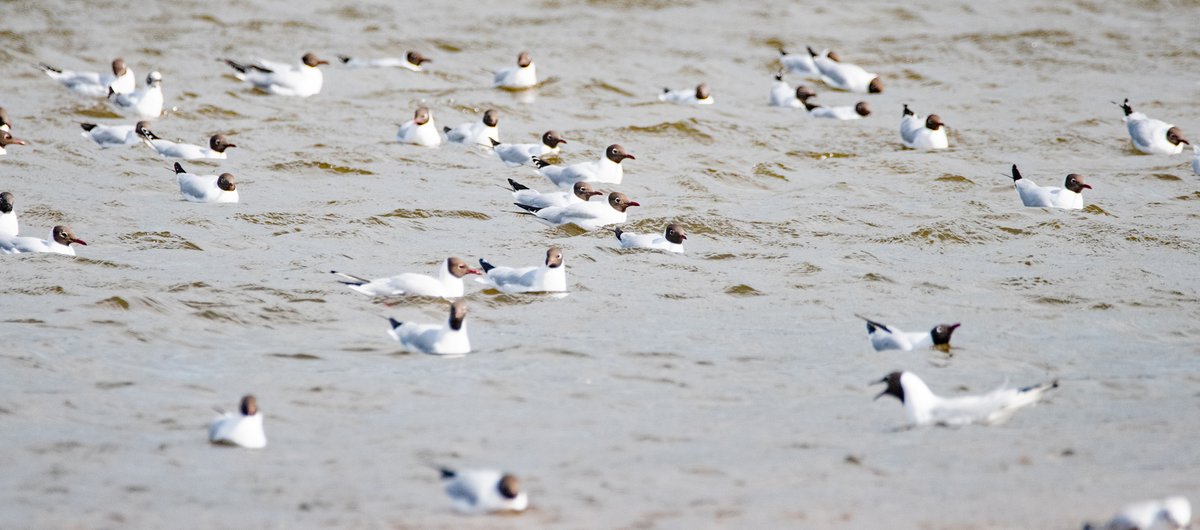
x=909 y=127
x=458 y=490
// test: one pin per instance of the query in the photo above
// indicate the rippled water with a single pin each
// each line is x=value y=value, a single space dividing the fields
x=723 y=388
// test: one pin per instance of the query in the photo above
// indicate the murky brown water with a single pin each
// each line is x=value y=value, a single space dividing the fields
x=723 y=388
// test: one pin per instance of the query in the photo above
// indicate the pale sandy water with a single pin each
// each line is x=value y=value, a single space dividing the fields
x=726 y=388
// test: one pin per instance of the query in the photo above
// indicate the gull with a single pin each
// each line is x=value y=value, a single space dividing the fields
x=549 y=277
x=217 y=144
x=302 y=80
x=94 y=84
x=145 y=103
x=523 y=75
x=411 y=61
x=206 y=188
x=447 y=284
x=8 y=217
x=580 y=192
x=6 y=139
x=671 y=239
x=481 y=491
x=607 y=170
x=924 y=407
x=60 y=241
x=420 y=130
x=929 y=133
x=1171 y=513
x=884 y=337
x=435 y=339
x=243 y=428
x=514 y=155
x=782 y=94
x=1152 y=136
x=1069 y=197
x=698 y=96
x=107 y=136
x=483 y=132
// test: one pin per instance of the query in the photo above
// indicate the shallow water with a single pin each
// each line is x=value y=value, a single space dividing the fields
x=723 y=388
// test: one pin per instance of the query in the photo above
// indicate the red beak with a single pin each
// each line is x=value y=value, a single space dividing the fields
x=79 y=241
x=1088 y=186
x=682 y=237
x=631 y=156
x=18 y=142
x=631 y=203
x=474 y=271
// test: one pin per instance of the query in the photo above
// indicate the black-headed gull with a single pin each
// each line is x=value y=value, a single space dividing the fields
x=107 y=136
x=607 y=170
x=782 y=94
x=206 y=188
x=60 y=241
x=1171 y=513
x=8 y=216
x=884 y=337
x=243 y=428
x=4 y=123
x=549 y=277
x=580 y=192
x=586 y=215
x=145 y=103
x=482 y=491
x=411 y=61
x=849 y=112
x=1069 y=197
x=435 y=339
x=95 y=84
x=918 y=133
x=217 y=144
x=688 y=96
x=6 y=139
x=482 y=132
x=1152 y=136
x=421 y=130
x=671 y=239
x=523 y=75
x=447 y=284
x=925 y=408
x=845 y=76
x=302 y=80
x=799 y=63
x=514 y=155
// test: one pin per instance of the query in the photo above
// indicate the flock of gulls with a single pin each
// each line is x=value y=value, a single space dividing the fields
x=571 y=200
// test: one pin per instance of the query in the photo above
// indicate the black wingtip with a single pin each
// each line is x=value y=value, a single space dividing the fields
x=494 y=141
x=1125 y=107
x=517 y=186
x=811 y=51
x=809 y=106
x=236 y=66
x=1016 y=175
x=344 y=58
x=526 y=207
x=483 y=264
x=88 y=126
x=394 y=323
x=446 y=130
x=539 y=162
x=873 y=325
x=906 y=111
x=618 y=232
x=782 y=52
x=665 y=90
x=179 y=168
x=49 y=68
x=446 y=472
